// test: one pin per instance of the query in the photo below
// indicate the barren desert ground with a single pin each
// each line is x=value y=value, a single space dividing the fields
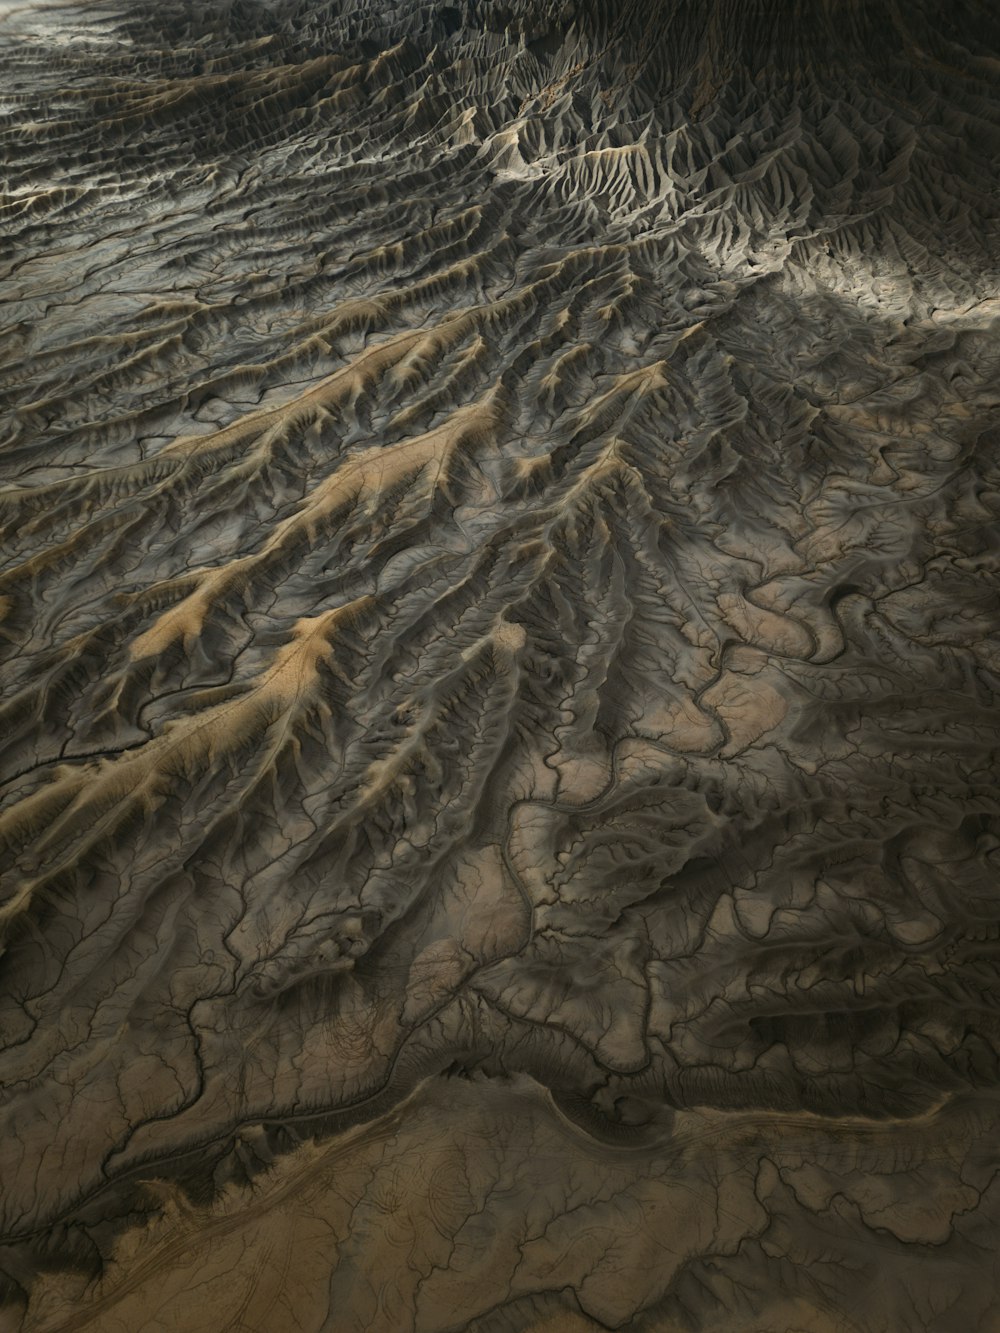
x=500 y=666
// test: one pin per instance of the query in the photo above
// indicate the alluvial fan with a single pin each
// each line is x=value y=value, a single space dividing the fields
x=500 y=806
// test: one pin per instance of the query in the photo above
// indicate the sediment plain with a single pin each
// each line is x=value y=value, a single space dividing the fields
x=499 y=785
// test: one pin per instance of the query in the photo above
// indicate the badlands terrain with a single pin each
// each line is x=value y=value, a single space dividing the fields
x=499 y=781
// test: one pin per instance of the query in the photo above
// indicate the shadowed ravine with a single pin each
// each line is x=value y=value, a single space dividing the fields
x=500 y=803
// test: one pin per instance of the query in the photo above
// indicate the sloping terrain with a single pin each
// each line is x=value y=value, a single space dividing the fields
x=500 y=807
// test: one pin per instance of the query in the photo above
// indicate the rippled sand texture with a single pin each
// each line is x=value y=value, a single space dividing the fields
x=501 y=815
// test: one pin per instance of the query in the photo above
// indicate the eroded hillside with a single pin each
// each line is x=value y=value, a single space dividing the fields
x=499 y=704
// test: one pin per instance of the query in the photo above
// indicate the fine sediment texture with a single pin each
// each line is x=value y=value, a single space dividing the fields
x=499 y=818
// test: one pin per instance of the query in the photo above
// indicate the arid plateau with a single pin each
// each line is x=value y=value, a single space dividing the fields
x=500 y=666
